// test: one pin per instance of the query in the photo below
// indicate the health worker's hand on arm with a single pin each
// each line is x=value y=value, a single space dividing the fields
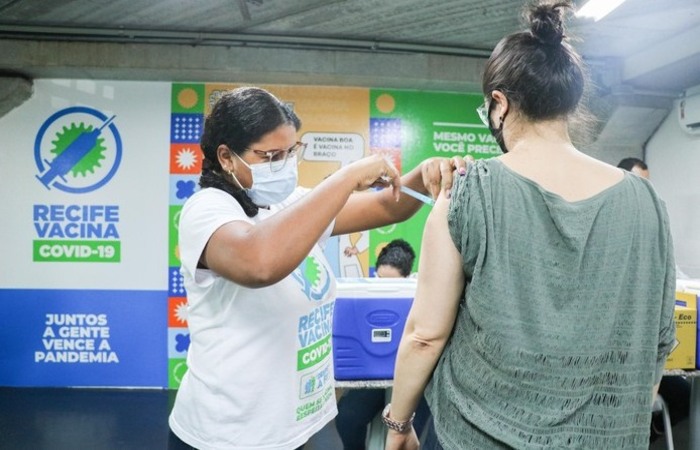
x=430 y=320
x=365 y=211
x=438 y=173
x=261 y=254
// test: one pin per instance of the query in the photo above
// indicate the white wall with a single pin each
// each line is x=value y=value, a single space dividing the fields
x=673 y=157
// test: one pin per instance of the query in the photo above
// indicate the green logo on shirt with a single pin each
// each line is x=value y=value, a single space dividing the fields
x=313 y=278
x=308 y=356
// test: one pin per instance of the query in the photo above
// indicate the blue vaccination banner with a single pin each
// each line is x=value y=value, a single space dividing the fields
x=107 y=338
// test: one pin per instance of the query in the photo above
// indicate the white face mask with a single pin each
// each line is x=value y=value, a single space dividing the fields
x=271 y=187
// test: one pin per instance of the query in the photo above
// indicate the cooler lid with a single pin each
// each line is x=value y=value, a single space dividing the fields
x=376 y=287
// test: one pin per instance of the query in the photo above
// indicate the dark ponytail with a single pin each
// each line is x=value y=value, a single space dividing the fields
x=537 y=69
x=241 y=117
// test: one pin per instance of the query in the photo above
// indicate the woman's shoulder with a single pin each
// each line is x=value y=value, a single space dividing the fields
x=484 y=167
x=210 y=200
x=643 y=190
x=478 y=173
x=208 y=192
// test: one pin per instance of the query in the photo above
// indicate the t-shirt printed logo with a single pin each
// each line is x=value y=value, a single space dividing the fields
x=315 y=336
x=314 y=354
x=313 y=278
x=314 y=382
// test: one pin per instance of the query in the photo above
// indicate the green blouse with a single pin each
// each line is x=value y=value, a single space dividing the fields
x=567 y=317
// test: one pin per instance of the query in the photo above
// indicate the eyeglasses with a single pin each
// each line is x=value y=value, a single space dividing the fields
x=278 y=158
x=483 y=112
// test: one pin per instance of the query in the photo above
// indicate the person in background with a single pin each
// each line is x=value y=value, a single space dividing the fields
x=395 y=260
x=544 y=307
x=634 y=165
x=260 y=291
x=674 y=390
x=357 y=407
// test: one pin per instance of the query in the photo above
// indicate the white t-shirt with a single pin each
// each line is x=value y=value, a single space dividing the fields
x=260 y=363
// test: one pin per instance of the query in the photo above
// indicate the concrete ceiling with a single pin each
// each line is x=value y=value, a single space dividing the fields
x=642 y=55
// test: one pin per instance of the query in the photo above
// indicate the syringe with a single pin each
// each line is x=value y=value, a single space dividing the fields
x=413 y=193
x=417 y=195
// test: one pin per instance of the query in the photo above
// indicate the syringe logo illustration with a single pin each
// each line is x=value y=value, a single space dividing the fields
x=78 y=140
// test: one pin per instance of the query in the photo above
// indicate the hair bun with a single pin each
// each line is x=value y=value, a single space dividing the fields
x=546 y=21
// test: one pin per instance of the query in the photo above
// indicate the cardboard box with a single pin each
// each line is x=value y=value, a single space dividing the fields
x=368 y=321
x=687 y=295
x=683 y=355
x=687 y=299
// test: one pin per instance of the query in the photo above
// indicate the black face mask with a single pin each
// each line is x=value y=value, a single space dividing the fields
x=498 y=132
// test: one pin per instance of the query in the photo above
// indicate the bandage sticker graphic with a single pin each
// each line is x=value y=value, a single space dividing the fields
x=77 y=150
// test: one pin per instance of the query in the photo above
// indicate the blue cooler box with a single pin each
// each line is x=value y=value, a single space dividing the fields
x=369 y=317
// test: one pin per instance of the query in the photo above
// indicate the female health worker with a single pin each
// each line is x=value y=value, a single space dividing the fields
x=260 y=291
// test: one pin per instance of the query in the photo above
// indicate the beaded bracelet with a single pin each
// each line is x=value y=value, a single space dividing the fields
x=401 y=427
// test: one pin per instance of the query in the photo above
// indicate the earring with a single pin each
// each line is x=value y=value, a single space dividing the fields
x=503 y=118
